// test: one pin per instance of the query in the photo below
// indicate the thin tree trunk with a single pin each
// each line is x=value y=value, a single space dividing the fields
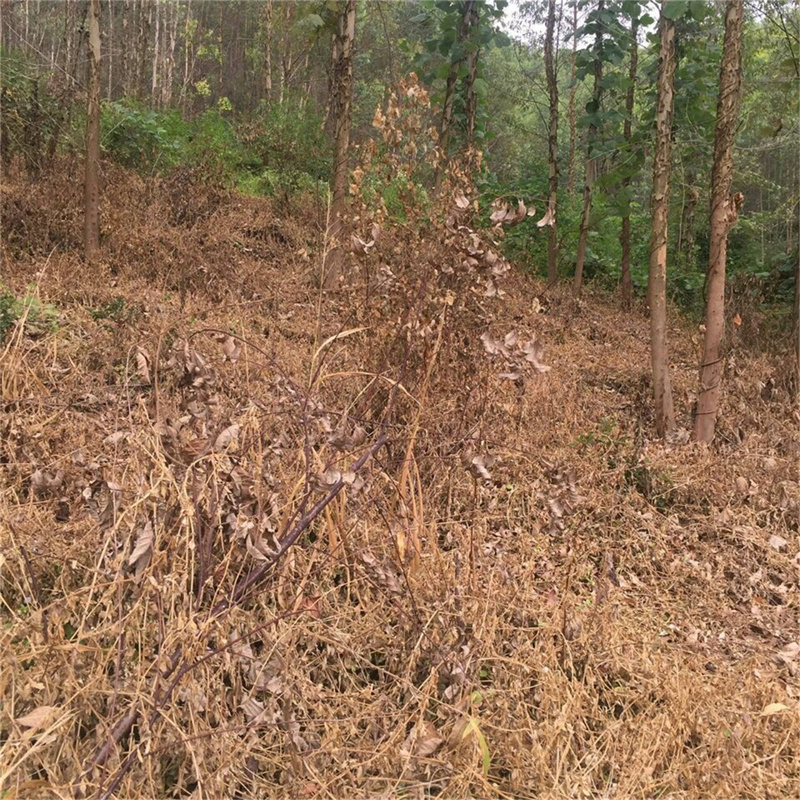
x=141 y=55
x=110 y=50
x=156 y=52
x=472 y=74
x=287 y=58
x=724 y=213
x=686 y=245
x=625 y=232
x=187 y=46
x=169 y=56
x=91 y=231
x=572 y=90
x=341 y=112
x=448 y=109
x=591 y=163
x=126 y=48
x=659 y=209
x=268 y=12
x=307 y=83
x=796 y=328
x=552 y=143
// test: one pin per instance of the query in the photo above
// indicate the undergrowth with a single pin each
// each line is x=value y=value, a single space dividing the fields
x=415 y=537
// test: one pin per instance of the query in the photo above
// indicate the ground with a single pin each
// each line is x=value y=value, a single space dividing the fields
x=524 y=593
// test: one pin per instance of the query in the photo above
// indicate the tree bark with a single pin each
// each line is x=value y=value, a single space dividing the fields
x=187 y=49
x=125 y=60
x=472 y=74
x=552 y=143
x=625 y=232
x=141 y=54
x=156 y=55
x=659 y=209
x=341 y=103
x=686 y=245
x=724 y=213
x=591 y=163
x=91 y=230
x=169 y=56
x=448 y=109
x=268 y=12
x=572 y=90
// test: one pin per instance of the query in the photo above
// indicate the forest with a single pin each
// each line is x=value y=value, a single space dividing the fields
x=401 y=398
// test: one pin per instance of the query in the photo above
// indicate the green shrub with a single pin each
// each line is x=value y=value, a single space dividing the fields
x=40 y=318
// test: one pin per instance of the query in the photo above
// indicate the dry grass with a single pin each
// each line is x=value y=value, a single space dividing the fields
x=605 y=617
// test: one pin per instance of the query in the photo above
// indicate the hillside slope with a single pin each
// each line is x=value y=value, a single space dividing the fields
x=521 y=594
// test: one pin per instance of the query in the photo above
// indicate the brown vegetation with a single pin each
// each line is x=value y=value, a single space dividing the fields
x=522 y=594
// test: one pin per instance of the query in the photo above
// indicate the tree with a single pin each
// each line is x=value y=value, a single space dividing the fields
x=267 y=22
x=91 y=230
x=724 y=213
x=596 y=21
x=625 y=232
x=341 y=107
x=448 y=109
x=572 y=90
x=662 y=166
x=472 y=74
x=552 y=144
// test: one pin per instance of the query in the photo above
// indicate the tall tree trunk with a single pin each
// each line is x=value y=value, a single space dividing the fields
x=686 y=245
x=126 y=49
x=110 y=51
x=796 y=328
x=724 y=212
x=91 y=230
x=187 y=49
x=591 y=162
x=659 y=209
x=286 y=58
x=169 y=56
x=625 y=232
x=341 y=103
x=448 y=109
x=573 y=88
x=142 y=46
x=156 y=54
x=552 y=143
x=472 y=74
x=268 y=12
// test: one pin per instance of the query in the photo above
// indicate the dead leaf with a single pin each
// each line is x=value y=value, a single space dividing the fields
x=231 y=349
x=143 y=365
x=548 y=220
x=777 y=542
x=142 y=550
x=37 y=718
x=774 y=708
x=742 y=484
x=423 y=741
x=737 y=320
x=789 y=653
x=226 y=437
x=115 y=438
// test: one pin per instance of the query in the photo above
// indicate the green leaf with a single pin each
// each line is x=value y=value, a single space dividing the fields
x=443 y=71
x=675 y=9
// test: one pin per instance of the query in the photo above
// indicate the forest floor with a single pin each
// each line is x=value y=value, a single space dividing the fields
x=524 y=593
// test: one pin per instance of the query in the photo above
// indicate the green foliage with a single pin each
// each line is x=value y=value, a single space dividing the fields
x=30 y=115
x=39 y=318
x=273 y=150
x=140 y=138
